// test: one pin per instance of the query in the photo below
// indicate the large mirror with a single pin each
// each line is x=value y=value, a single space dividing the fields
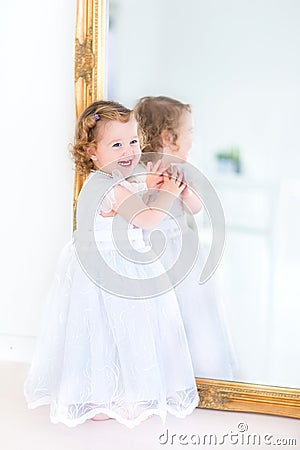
x=236 y=63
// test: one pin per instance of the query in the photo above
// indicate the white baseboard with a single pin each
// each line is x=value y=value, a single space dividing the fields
x=16 y=348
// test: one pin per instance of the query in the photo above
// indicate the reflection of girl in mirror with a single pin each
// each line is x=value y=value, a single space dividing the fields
x=167 y=126
x=101 y=355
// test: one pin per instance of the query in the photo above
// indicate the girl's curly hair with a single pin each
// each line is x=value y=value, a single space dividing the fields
x=154 y=115
x=88 y=130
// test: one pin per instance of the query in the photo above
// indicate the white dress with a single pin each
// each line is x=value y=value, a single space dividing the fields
x=101 y=353
x=208 y=335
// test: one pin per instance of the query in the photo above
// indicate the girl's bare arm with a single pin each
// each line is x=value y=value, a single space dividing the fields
x=190 y=200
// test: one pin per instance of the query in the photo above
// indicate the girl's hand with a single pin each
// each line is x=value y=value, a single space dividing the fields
x=186 y=191
x=154 y=177
x=173 y=183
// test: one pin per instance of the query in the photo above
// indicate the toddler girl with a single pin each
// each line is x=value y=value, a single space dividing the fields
x=112 y=344
x=167 y=125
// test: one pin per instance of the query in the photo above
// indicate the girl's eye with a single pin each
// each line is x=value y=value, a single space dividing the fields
x=134 y=141
x=117 y=144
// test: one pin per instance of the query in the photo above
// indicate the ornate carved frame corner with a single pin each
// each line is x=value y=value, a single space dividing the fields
x=247 y=397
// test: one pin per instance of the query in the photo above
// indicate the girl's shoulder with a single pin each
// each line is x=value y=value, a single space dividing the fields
x=95 y=186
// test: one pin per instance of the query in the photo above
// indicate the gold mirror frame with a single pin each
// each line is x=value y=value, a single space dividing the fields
x=90 y=34
x=91 y=31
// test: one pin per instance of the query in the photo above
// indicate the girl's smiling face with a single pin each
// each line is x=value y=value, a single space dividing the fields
x=117 y=147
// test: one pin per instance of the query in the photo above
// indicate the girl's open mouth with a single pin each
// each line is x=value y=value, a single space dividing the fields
x=126 y=163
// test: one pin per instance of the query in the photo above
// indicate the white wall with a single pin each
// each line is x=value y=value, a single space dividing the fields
x=37 y=123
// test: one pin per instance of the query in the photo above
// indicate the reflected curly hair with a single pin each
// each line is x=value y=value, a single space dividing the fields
x=88 y=130
x=154 y=115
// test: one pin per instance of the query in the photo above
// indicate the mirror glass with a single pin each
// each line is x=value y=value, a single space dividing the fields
x=237 y=64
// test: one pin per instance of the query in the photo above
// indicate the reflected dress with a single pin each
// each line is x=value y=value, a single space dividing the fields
x=100 y=353
x=201 y=307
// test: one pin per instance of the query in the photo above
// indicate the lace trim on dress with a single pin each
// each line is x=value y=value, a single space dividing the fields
x=78 y=414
